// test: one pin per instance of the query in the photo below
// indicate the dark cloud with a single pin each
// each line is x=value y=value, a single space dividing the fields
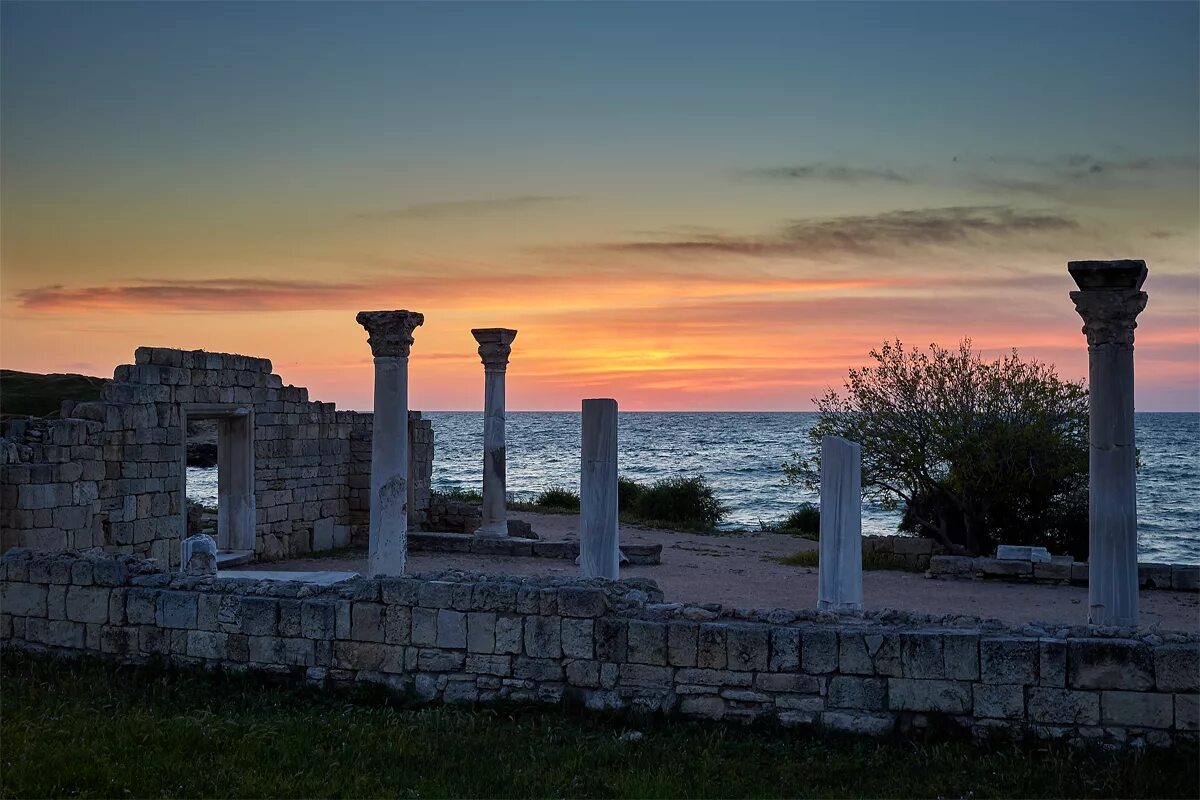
x=1069 y=177
x=836 y=173
x=454 y=208
x=872 y=234
x=217 y=294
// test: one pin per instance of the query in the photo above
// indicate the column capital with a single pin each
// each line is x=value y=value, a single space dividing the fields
x=1109 y=298
x=495 y=344
x=389 y=333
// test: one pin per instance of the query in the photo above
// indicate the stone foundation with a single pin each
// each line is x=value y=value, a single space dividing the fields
x=1179 y=577
x=615 y=646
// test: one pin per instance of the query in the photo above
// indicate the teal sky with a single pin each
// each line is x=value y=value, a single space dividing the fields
x=313 y=157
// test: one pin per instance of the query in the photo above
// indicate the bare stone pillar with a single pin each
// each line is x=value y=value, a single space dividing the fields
x=495 y=344
x=599 y=553
x=839 y=571
x=390 y=337
x=1109 y=300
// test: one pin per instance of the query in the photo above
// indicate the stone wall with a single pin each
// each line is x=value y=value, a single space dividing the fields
x=456 y=637
x=111 y=472
x=1180 y=577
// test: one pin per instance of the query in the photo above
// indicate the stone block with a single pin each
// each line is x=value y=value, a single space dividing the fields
x=1009 y=659
x=1052 y=662
x=1177 y=667
x=397 y=624
x=785 y=649
x=999 y=568
x=647 y=642
x=176 y=610
x=612 y=639
x=1051 y=571
x=1185 y=577
x=318 y=619
x=793 y=683
x=366 y=622
x=481 y=632
x=260 y=616
x=710 y=646
x=140 y=605
x=509 y=632
x=424 y=627
x=682 y=638
x=748 y=647
x=56 y=633
x=951 y=566
x=921 y=655
x=860 y=723
x=581 y=602
x=452 y=629
x=999 y=701
x=851 y=692
x=646 y=676
x=1063 y=706
x=1020 y=552
x=583 y=673
x=853 y=658
x=537 y=669
x=960 y=655
x=1137 y=709
x=950 y=697
x=543 y=637
x=702 y=707
x=87 y=604
x=577 y=637
x=1187 y=712
x=819 y=650
x=1109 y=664
x=23 y=599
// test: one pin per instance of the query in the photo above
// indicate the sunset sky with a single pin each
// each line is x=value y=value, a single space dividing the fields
x=682 y=206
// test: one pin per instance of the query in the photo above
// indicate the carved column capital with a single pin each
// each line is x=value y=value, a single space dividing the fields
x=495 y=345
x=389 y=333
x=1109 y=299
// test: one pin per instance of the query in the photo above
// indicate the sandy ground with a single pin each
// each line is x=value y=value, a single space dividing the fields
x=740 y=570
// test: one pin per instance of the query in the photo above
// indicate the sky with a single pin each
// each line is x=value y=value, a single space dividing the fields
x=717 y=206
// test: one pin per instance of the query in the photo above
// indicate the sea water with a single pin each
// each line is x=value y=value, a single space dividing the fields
x=742 y=455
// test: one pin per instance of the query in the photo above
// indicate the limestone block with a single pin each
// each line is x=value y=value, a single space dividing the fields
x=577 y=637
x=452 y=629
x=1109 y=664
x=543 y=637
x=710 y=653
x=481 y=632
x=23 y=599
x=1139 y=709
x=999 y=700
x=960 y=655
x=581 y=602
x=87 y=604
x=951 y=565
x=56 y=633
x=682 y=638
x=646 y=676
x=921 y=655
x=509 y=631
x=1051 y=572
x=1052 y=665
x=1177 y=667
x=995 y=567
x=397 y=624
x=1063 y=706
x=819 y=651
x=480 y=664
x=318 y=619
x=647 y=642
x=785 y=649
x=1185 y=577
x=951 y=697
x=1023 y=553
x=400 y=591
x=176 y=610
x=747 y=647
x=424 y=626
x=1009 y=659
x=583 y=673
x=859 y=723
x=850 y=692
x=1187 y=712
x=612 y=639
x=702 y=707
x=713 y=677
x=537 y=669
x=260 y=616
x=1154 y=576
x=140 y=605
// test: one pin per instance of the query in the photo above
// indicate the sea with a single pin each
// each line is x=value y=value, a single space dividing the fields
x=741 y=454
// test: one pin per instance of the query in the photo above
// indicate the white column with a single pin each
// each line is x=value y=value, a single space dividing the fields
x=495 y=345
x=839 y=578
x=599 y=553
x=390 y=337
x=1109 y=300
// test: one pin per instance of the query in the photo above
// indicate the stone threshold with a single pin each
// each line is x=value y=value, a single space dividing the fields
x=1178 y=577
x=438 y=542
x=233 y=558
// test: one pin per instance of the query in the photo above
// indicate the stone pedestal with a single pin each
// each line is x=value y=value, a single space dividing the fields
x=390 y=338
x=1109 y=300
x=839 y=579
x=599 y=553
x=495 y=344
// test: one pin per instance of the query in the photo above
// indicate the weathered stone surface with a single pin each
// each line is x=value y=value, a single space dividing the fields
x=850 y=692
x=747 y=647
x=1009 y=660
x=819 y=651
x=682 y=638
x=1109 y=664
x=1139 y=709
x=951 y=697
x=451 y=629
x=1177 y=667
x=999 y=701
x=1063 y=706
x=858 y=723
x=543 y=637
x=87 y=604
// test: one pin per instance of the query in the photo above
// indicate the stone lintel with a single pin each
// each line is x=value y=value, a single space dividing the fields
x=389 y=333
x=495 y=345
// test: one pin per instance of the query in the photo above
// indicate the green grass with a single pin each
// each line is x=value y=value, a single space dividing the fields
x=31 y=394
x=804 y=522
x=870 y=561
x=90 y=729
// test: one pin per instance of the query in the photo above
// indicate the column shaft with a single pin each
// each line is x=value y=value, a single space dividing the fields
x=599 y=553
x=839 y=579
x=494 y=521
x=389 y=468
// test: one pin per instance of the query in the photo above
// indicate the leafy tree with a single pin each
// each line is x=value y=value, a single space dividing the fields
x=976 y=452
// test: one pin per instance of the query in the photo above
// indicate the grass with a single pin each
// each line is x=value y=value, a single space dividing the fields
x=871 y=560
x=35 y=395
x=804 y=522
x=90 y=729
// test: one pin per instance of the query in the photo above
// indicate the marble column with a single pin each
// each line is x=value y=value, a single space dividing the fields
x=1109 y=299
x=495 y=344
x=839 y=578
x=390 y=337
x=599 y=551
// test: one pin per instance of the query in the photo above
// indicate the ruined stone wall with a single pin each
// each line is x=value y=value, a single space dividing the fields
x=111 y=473
x=459 y=637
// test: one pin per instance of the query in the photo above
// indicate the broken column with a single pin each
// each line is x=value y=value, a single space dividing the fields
x=1109 y=300
x=495 y=344
x=599 y=553
x=390 y=338
x=839 y=579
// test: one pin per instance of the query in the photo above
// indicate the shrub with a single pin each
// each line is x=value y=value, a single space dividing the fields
x=462 y=495
x=687 y=502
x=977 y=452
x=629 y=493
x=558 y=497
x=805 y=520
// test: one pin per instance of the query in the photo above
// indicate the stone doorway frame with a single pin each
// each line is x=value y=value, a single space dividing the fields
x=236 y=520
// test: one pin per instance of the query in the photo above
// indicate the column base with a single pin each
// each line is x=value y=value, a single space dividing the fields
x=493 y=530
x=839 y=608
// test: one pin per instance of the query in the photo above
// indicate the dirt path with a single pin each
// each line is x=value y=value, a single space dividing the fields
x=740 y=570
